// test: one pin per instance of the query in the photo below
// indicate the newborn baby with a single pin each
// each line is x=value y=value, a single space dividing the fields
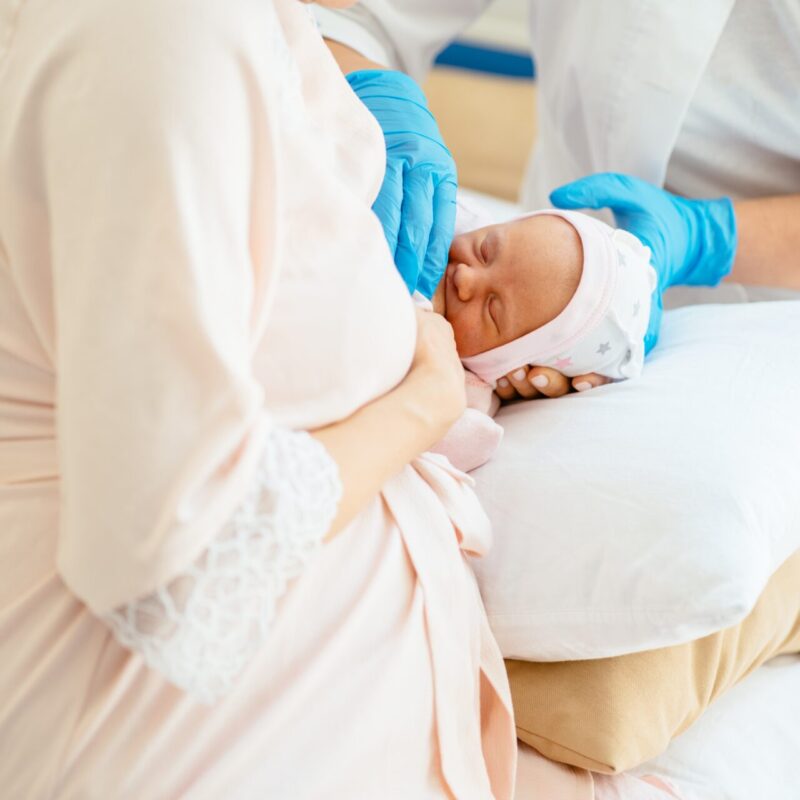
x=552 y=288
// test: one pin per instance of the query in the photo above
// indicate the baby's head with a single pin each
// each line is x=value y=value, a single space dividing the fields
x=552 y=288
x=503 y=281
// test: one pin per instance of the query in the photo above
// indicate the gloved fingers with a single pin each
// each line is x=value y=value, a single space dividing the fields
x=418 y=220
x=621 y=193
x=415 y=223
x=549 y=382
x=388 y=207
x=638 y=206
x=521 y=385
x=582 y=383
x=444 y=220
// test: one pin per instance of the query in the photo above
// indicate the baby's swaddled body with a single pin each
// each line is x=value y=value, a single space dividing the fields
x=551 y=288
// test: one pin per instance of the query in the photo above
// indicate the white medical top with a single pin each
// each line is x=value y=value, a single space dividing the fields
x=741 y=134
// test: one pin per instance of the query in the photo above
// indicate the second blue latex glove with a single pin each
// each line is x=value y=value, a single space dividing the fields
x=693 y=242
x=417 y=201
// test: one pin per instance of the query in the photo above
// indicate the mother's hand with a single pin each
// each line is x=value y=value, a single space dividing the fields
x=530 y=382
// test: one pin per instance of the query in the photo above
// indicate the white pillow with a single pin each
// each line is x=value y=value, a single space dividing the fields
x=745 y=745
x=649 y=512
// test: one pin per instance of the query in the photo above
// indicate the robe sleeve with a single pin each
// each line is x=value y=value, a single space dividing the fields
x=184 y=509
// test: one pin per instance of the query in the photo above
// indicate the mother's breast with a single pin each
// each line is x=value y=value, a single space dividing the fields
x=342 y=333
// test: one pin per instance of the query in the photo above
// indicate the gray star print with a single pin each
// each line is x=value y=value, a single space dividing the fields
x=636 y=307
x=604 y=348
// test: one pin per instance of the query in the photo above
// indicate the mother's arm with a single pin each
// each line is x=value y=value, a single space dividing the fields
x=380 y=439
x=185 y=509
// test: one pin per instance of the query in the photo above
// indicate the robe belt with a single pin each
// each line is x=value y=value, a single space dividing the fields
x=439 y=516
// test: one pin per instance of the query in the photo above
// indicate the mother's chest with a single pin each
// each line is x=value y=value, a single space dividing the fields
x=341 y=332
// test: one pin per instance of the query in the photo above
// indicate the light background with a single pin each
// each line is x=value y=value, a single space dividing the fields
x=488 y=121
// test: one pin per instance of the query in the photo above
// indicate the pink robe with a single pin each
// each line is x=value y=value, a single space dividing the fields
x=188 y=259
x=188 y=243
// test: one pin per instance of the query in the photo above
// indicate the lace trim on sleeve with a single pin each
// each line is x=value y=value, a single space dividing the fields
x=202 y=628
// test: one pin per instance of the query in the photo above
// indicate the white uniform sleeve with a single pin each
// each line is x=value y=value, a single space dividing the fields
x=403 y=34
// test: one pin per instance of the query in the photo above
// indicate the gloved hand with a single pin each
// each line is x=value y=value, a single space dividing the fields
x=693 y=242
x=417 y=201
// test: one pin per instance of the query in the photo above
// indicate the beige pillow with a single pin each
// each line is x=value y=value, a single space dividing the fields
x=611 y=714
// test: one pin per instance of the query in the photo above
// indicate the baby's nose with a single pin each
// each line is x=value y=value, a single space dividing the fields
x=467 y=281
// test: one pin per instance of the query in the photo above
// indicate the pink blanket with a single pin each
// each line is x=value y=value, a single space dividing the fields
x=475 y=437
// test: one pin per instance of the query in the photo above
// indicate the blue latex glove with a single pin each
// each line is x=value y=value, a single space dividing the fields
x=693 y=242
x=417 y=201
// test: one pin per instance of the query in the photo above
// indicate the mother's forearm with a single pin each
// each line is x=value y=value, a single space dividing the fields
x=350 y=60
x=376 y=442
x=769 y=241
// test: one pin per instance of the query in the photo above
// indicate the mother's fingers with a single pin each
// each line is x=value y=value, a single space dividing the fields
x=549 y=382
x=582 y=383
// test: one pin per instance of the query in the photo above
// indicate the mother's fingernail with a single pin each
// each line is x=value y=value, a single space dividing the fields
x=540 y=381
x=502 y=383
x=583 y=386
x=520 y=374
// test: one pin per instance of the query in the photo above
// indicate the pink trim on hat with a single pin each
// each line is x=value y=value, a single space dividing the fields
x=587 y=307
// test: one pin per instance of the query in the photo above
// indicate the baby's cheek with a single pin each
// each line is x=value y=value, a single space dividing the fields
x=469 y=341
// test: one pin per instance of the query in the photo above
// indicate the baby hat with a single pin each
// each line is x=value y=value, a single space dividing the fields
x=602 y=327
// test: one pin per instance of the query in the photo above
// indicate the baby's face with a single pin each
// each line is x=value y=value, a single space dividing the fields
x=506 y=280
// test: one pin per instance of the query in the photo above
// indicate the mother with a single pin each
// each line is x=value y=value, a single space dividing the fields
x=190 y=280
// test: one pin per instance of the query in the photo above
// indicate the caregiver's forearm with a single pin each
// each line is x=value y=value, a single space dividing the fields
x=350 y=60
x=769 y=241
x=376 y=442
